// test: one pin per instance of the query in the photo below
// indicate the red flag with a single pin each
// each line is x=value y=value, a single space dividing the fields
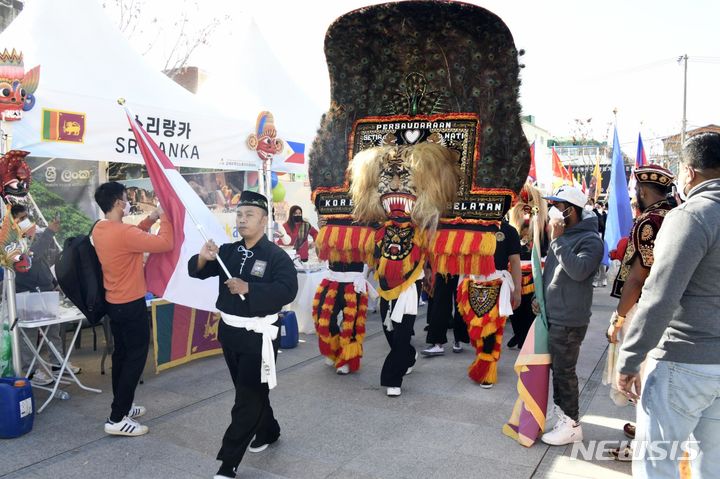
x=167 y=273
x=559 y=170
x=584 y=185
x=532 y=175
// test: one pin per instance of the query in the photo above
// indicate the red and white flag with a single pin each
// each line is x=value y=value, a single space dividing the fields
x=166 y=274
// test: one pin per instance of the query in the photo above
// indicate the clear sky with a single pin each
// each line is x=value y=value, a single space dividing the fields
x=584 y=58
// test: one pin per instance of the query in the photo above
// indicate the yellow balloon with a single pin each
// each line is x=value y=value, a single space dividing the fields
x=278 y=193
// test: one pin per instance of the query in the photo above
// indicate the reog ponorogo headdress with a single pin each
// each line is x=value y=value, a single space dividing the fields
x=408 y=73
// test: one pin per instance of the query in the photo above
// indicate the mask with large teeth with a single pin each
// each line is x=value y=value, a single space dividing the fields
x=398 y=205
x=400 y=182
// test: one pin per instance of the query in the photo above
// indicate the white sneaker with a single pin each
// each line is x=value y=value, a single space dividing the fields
x=69 y=367
x=436 y=350
x=566 y=431
x=41 y=378
x=393 y=392
x=126 y=427
x=329 y=362
x=257 y=449
x=410 y=369
x=136 y=411
x=343 y=370
x=257 y=446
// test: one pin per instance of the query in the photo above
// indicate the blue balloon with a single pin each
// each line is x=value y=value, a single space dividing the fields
x=273 y=179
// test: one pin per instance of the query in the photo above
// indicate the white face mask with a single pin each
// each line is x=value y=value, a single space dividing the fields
x=556 y=214
x=682 y=183
x=126 y=209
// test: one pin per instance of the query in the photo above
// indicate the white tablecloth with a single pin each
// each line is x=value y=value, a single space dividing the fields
x=302 y=306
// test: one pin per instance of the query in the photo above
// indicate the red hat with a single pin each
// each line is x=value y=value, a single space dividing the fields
x=654 y=174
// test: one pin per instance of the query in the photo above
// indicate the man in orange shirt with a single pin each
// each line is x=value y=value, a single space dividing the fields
x=120 y=249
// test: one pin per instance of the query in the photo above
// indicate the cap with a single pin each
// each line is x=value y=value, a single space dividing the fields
x=250 y=198
x=569 y=194
x=654 y=174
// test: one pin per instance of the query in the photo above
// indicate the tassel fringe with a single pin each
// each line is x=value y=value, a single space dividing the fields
x=485 y=333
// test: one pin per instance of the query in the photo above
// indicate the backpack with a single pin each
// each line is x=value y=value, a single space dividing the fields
x=80 y=276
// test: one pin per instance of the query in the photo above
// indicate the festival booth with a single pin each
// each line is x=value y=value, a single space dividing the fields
x=73 y=127
x=85 y=66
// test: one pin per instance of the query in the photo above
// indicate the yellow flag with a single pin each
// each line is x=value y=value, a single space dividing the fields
x=598 y=179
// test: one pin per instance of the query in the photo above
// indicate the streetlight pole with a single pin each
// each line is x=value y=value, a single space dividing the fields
x=684 y=119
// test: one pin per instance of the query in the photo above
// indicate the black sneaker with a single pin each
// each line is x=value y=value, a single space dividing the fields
x=457 y=347
x=512 y=343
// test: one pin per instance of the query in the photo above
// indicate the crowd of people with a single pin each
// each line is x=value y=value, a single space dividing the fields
x=664 y=334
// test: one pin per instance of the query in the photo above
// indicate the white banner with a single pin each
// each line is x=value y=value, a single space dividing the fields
x=85 y=66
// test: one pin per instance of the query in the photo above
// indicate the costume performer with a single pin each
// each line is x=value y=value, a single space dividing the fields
x=264 y=280
x=655 y=182
x=485 y=301
x=344 y=290
x=400 y=244
x=441 y=306
x=530 y=201
x=423 y=140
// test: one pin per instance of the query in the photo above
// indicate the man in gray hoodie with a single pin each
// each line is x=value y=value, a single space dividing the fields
x=678 y=323
x=574 y=255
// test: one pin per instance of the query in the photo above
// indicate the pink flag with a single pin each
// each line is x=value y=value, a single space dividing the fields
x=166 y=274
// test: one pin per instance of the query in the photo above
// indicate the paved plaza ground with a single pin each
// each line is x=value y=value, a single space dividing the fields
x=443 y=425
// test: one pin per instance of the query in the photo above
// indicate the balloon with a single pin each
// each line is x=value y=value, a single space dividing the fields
x=278 y=193
x=273 y=179
x=252 y=178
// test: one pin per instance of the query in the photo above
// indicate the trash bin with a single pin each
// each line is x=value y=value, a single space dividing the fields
x=289 y=334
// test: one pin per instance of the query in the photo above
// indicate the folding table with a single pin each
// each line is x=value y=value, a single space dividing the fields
x=65 y=316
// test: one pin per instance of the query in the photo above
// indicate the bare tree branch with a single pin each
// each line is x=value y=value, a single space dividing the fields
x=186 y=40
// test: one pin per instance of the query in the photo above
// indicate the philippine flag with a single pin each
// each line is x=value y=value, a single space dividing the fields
x=291 y=160
x=166 y=274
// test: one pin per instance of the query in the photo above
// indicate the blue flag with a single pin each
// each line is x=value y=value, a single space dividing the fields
x=619 y=218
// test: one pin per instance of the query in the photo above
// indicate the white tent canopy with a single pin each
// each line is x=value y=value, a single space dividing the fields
x=245 y=75
x=85 y=66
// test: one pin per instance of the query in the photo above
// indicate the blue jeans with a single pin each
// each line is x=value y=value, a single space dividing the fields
x=678 y=400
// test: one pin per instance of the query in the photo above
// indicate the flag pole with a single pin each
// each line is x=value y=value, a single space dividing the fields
x=267 y=170
x=131 y=117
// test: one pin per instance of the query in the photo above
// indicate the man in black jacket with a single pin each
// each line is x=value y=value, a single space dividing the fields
x=264 y=280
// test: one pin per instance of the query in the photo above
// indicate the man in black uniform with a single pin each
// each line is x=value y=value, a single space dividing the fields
x=264 y=280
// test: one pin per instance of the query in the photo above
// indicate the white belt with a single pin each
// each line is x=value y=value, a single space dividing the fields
x=263 y=325
x=508 y=286
x=357 y=278
x=407 y=303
